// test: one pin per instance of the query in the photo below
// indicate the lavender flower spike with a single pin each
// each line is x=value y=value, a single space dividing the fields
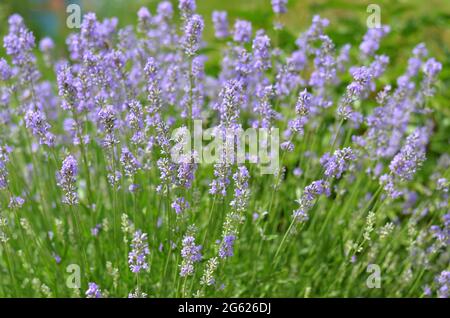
x=220 y=22
x=336 y=164
x=242 y=31
x=190 y=254
x=279 y=6
x=192 y=35
x=93 y=291
x=139 y=251
x=67 y=178
x=226 y=247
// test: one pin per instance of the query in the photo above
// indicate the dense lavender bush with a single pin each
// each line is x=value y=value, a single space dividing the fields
x=88 y=182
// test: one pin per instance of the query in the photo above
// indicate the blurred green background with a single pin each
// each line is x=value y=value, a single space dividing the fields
x=411 y=21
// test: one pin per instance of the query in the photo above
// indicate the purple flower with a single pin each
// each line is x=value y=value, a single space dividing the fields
x=35 y=121
x=46 y=45
x=220 y=22
x=165 y=9
x=107 y=121
x=19 y=42
x=153 y=88
x=93 y=291
x=241 y=190
x=388 y=183
x=279 y=6
x=325 y=64
x=191 y=254
x=4 y=159
x=336 y=164
x=411 y=156
x=5 y=70
x=67 y=178
x=143 y=14
x=306 y=201
x=443 y=281
x=431 y=69
x=242 y=31
x=16 y=202
x=261 y=51
x=192 y=35
x=315 y=189
x=129 y=162
x=187 y=7
x=226 y=246
x=361 y=79
x=371 y=40
x=139 y=251
x=263 y=107
x=302 y=109
x=180 y=205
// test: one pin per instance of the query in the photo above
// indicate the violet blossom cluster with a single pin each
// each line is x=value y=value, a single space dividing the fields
x=191 y=254
x=137 y=257
x=67 y=178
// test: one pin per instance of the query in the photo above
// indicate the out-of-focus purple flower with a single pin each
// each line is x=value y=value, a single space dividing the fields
x=187 y=7
x=144 y=14
x=343 y=57
x=315 y=31
x=180 y=205
x=242 y=32
x=165 y=9
x=16 y=202
x=5 y=70
x=325 y=64
x=220 y=21
x=67 y=178
x=261 y=51
x=19 y=42
x=431 y=69
x=371 y=40
x=442 y=184
x=263 y=107
x=279 y=6
x=191 y=254
x=93 y=291
x=192 y=37
x=153 y=88
x=139 y=251
x=107 y=119
x=46 y=45
x=96 y=229
x=443 y=281
x=4 y=159
x=35 y=121
x=387 y=181
x=226 y=248
x=129 y=162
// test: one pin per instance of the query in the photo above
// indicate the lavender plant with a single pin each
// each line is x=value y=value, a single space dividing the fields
x=87 y=177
